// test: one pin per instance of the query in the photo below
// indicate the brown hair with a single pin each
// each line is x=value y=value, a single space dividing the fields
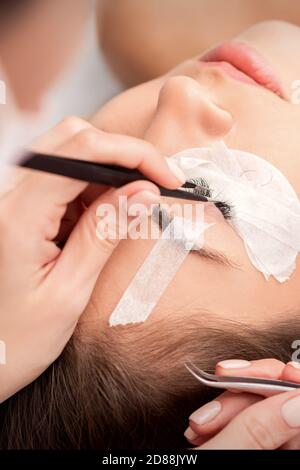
x=127 y=387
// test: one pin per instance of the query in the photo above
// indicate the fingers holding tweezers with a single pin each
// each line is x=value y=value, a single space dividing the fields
x=291 y=372
x=78 y=139
x=264 y=368
x=129 y=152
x=214 y=416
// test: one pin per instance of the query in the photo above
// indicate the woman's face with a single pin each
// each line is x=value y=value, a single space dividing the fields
x=196 y=104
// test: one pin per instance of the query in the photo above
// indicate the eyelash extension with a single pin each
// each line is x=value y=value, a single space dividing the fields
x=162 y=218
x=202 y=188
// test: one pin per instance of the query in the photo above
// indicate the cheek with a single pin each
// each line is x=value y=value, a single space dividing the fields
x=131 y=112
x=275 y=142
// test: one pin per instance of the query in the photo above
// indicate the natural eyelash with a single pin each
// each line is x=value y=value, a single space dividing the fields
x=161 y=217
x=201 y=189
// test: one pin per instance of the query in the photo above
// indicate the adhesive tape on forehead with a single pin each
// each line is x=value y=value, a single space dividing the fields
x=157 y=271
x=266 y=209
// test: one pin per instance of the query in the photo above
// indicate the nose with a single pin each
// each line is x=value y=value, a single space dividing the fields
x=186 y=117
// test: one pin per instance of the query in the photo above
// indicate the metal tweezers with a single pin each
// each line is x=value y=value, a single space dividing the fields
x=246 y=384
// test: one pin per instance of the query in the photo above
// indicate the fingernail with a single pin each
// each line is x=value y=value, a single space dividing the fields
x=294 y=364
x=207 y=413
x=177 y=172
x=234 y=364
x=146 y=198
x=190 y=435
x=290 y=412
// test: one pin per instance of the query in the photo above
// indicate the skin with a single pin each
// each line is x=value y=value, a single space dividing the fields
x=155 y=36
x=194 y=106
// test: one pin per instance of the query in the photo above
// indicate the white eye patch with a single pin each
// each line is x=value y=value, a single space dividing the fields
x=266 y=209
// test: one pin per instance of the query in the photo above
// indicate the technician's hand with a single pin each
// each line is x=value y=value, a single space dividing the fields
x=43 y=289
x=246 y=420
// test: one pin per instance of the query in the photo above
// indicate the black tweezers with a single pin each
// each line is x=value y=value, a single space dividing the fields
x=109 y=175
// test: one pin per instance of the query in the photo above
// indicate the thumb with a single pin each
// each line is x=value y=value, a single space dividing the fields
x=89 y=245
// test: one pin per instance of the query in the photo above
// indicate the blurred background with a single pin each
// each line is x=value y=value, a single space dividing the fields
x=87 y=84
x=131 y=41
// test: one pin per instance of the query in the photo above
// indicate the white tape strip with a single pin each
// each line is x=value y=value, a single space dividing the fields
x=157 y=271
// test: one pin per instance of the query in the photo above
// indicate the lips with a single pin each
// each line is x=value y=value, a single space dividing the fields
x=245 y=64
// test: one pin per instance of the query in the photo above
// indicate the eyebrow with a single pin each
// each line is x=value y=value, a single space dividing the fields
x=215 y=256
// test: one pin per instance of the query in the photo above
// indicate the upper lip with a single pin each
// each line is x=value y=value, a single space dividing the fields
x=247 y=60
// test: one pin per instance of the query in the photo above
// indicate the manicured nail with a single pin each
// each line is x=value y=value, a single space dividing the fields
x=146 y=198
x=294 y=364
x=290 y=412
x=207 y=413
x=234 y=364
x=190 y=435
x=177 y=172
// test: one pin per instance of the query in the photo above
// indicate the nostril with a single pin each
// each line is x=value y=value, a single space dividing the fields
x=186 y=116
x=185 y=98
x=215 y=121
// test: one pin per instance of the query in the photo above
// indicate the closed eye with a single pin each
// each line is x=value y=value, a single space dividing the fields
x=163 y=219
x=215 y=256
